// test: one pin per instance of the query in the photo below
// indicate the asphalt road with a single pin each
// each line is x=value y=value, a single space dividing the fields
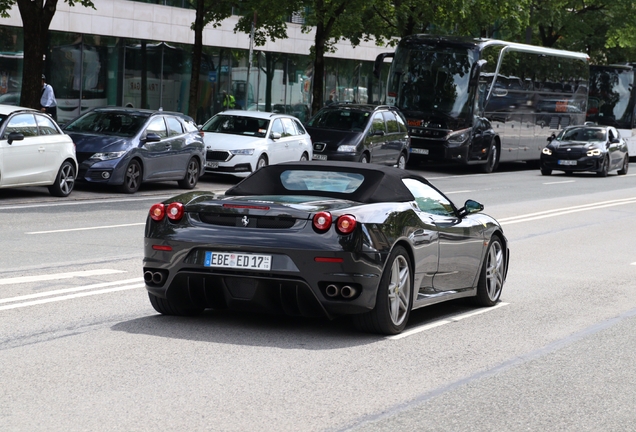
x=81 y=349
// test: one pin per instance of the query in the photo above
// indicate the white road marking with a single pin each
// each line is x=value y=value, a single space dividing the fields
x=91 y=202
x=456 y=192
x=565 y=210
x=560 y=182
x=71 y=296
x=86 y=228
x=69 y=290
x=48 y=277
x=444 y=321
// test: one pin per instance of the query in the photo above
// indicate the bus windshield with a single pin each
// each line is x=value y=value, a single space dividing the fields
x=431 y=80
x=610 y=99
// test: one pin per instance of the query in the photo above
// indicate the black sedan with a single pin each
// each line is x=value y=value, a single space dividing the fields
x=586 y=148
x=126 y=147
x=322 y=239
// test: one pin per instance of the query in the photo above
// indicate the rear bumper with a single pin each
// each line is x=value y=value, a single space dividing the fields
x=295 y=285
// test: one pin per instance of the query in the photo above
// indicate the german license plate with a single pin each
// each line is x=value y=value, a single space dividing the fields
x=567 y=162
x=211 y=164
x=319 y=157
x=238 y=260
x=419 y=151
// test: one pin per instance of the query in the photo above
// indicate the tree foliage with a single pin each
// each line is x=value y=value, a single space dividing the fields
x=36 y=18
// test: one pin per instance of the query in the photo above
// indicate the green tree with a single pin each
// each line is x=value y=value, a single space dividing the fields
x=36 y=19
x=604 y=29
x=206 y=12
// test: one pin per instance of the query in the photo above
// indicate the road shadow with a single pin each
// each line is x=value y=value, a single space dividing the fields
x=276 y=331
x=458 y=169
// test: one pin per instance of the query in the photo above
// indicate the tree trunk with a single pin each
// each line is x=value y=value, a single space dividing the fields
x=36 y=19
x=269 y=77
x=319 y=69
x=197 y=51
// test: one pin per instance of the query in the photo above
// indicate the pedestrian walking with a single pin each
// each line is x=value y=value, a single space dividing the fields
x=47 y=100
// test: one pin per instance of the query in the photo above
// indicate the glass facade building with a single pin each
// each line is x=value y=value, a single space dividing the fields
x=118 y=60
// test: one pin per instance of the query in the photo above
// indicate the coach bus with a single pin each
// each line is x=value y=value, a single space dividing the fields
x=484 y=101
x=612 y=100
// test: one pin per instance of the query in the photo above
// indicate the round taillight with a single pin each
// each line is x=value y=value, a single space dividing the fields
x=174 y=211
x=322 y=221
x=157 y=212
x=346 y=224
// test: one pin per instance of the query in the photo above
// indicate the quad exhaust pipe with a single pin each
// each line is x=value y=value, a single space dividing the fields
x=155 y=277
x=332 y=290
x=348 y=292
x=345 y=292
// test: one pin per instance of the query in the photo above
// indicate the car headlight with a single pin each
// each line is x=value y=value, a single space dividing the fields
x=594 y=152
x=243 y=152
x=347 y=148
x=459 y=137
x=546 y=151
x=108 y=155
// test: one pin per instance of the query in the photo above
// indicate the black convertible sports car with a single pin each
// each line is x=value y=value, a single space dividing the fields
x=322 y=239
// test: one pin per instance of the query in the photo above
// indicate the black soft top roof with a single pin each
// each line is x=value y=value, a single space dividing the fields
x=381 y=183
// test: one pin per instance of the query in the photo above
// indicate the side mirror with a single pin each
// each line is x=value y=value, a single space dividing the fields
x=151 y=137
x=470 y=207
x=551 y=137
x=615 y=141
x=15 y=136
x=275 y=135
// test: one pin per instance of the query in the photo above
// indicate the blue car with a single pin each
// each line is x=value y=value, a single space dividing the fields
x=126 y=147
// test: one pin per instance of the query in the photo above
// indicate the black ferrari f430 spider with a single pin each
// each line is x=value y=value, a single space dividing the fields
x=323 y=239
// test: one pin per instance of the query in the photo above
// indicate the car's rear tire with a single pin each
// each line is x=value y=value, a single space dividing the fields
x=604 y=168
x=167 y=307
x=364 y=158
x=546 y=171
x=192 y=175
x=132 y=178
x=493 y=270
x=64 y=180
x=304 y=157
x=394 y=298
x=401 y=162
x=625 y=168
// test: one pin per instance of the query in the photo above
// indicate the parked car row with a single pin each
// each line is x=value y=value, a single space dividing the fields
x=125 y=147
x=113 y=146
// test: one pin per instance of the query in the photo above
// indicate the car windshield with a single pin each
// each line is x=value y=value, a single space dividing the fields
x=321 y=181
x=583 y=134
x=340 y=119
x=109 y=123
x=237 y=125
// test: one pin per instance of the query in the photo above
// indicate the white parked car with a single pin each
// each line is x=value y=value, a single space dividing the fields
x=240 y=142
x=35 y=152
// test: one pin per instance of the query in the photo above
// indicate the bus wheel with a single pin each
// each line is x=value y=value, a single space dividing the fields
x=493 y=160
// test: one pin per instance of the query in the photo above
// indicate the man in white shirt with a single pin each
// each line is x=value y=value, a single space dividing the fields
x=47 y=100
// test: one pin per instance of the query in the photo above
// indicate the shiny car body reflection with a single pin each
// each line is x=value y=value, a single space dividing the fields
x=322 y=239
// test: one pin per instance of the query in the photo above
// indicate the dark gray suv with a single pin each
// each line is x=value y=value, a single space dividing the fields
x=360 y=133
